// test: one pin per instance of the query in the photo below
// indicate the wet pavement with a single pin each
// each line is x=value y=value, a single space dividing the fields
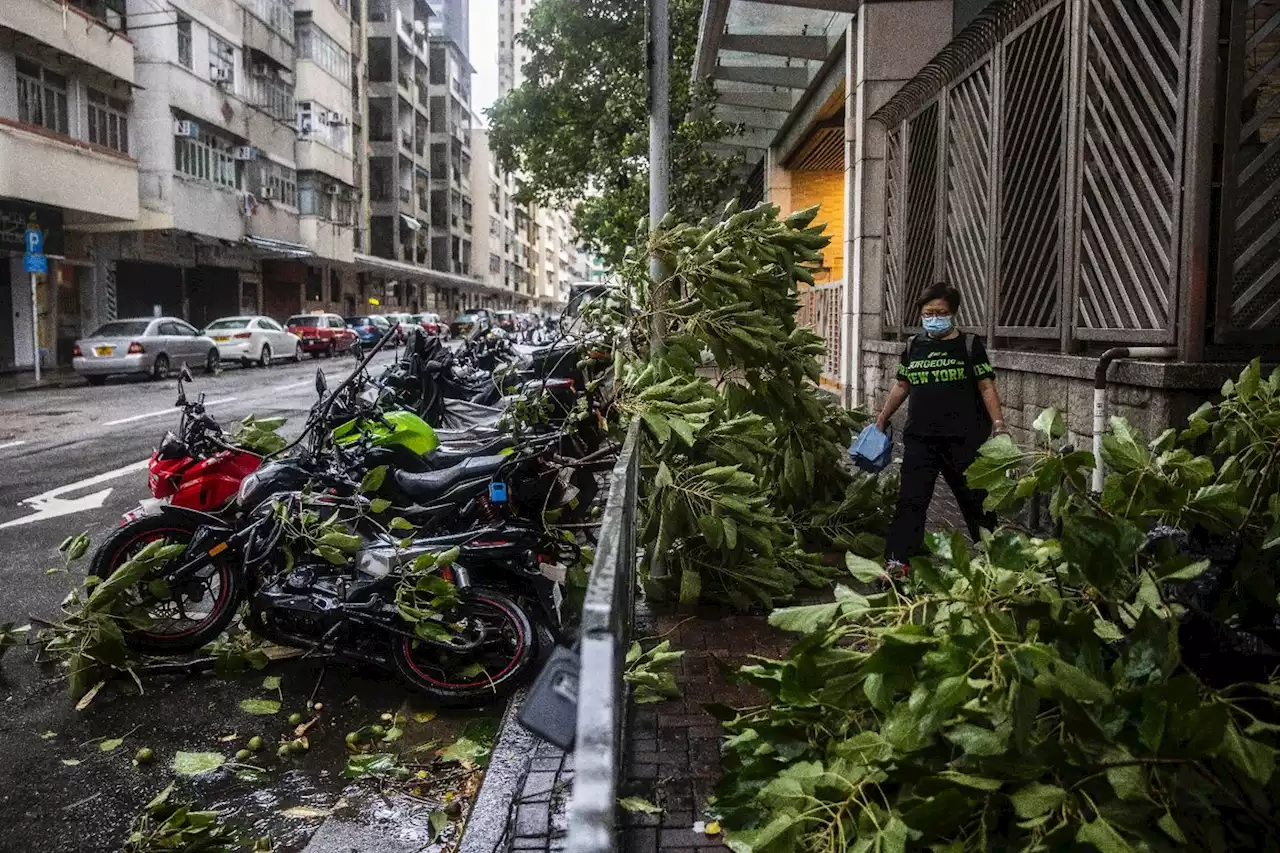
x=59 y=791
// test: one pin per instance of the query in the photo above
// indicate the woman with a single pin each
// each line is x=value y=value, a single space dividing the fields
x=954 y=409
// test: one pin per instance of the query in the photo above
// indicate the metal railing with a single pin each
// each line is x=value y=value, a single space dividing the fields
x=606 y=633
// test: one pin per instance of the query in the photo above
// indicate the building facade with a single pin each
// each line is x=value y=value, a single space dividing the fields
x=1087 y=177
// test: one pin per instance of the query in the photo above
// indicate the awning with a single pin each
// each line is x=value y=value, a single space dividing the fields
x=435 y=277
x=278 y=247
x=414 y=225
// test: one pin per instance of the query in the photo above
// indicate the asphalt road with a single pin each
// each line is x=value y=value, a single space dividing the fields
x=83 y=451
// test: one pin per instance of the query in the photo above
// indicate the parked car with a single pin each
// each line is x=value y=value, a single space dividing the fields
x=471 y=322
x=253 y=339
x=147 y=345
x=431 y=324
x=369 y=328
x=505 y=320
x=322 y=334
x=405 y=320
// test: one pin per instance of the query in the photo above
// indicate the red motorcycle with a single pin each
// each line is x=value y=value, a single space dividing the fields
x=194 y=468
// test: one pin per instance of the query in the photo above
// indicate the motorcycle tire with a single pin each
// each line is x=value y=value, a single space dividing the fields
x=473 y=691
x=127 y=540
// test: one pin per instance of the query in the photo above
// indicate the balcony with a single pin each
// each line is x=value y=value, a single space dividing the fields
x=67 y=173
x=269 y=93
x=76 y=34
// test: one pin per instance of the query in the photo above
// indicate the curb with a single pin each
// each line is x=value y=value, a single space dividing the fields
x=489 y=827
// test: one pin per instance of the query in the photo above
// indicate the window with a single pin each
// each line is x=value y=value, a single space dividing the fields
x=184 y=42
x=277 y=14
x=208 y=158
x=322 y=196
x=495 y=264
x=222 y=61
x=271 y=94
x=108 y=121
x=279 y=183
x=315 y=44
x=270 y=325
x=42 y=97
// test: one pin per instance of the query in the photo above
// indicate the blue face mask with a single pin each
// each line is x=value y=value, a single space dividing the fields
x=937 y=325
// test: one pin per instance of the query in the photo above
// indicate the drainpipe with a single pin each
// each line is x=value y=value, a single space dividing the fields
x=1100 y=399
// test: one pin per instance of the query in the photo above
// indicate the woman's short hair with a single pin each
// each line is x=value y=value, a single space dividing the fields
x=940 y=290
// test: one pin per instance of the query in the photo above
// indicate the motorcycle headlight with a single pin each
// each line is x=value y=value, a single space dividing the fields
x=247 y=485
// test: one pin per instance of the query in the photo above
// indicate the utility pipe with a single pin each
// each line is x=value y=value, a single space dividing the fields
x=1100 y=399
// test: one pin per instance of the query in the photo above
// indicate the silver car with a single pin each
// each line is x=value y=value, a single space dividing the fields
x=148 y=345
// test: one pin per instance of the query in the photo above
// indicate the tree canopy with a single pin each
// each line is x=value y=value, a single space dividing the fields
x=577 y=129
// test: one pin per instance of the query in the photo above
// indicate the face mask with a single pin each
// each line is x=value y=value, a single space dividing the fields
x=937 y=325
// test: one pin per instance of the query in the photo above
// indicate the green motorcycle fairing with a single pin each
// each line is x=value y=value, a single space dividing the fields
x=407 y=430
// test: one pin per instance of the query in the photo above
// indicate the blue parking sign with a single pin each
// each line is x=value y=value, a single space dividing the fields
x=35 y=263
x=34 y=241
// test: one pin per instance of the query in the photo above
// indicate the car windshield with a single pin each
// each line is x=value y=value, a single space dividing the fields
x=304 y=320
x=122 y=329
x=468 y=318
x=232 y=323
x=358 y=321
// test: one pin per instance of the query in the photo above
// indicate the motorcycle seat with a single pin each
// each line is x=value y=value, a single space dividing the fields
x=448 y=456
x=432 y=484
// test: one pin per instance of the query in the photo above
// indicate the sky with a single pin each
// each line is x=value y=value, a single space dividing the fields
x=484 y=55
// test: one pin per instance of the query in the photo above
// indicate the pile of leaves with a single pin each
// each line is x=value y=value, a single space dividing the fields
x=168 y=826
x=749 y=483
x=1036 y=694
x=259 y=435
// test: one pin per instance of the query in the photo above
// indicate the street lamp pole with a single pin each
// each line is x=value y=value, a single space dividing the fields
x=659 y=139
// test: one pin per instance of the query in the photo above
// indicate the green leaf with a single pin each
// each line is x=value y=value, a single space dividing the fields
x=260 y=707
x=1079 y=686
x=1188 y=573
x=271 y=682
x=1103 y=836
x=379 y=505
x=683 y=429
x=110 y=744
x=1049 y=425
x=1256 y=759
x=638 y=805
x=1170 y=828
x=399 y=523
x=712 y=530
x=371 y=764
x=439 y=822
x=1037 y=799
x=373 y=480
x=658 y=424
x=977 y=741
x=867 y=571
x=977 y=782
x=805 y=619
x=1127 y=780
x=690 y=585
x=196 y=763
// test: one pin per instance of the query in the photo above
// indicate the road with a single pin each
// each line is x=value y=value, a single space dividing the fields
x=81 y=454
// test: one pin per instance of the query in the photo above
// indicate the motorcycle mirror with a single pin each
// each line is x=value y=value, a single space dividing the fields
x=185 y=373
x=322 y=384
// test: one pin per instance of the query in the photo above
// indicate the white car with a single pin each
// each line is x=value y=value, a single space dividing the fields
x=253 y=339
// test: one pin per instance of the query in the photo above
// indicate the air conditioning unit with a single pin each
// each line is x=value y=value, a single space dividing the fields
x=221 y=76
x=335 y=190
x=334 y=118
x=186 y=128
x=269 y=192
x=245 y=152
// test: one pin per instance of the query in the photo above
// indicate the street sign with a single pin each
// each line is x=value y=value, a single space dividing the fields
x=34 y=241
x=35 y=263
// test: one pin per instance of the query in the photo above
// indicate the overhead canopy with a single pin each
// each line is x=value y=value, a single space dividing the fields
x=413 y=224
x=765 y=57
x=279 y=248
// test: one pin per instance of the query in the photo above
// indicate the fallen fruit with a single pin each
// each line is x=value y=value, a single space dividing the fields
x=255 y=743
x=244 y=755
x=387 y=718
x=377 y=731
x=283 y=750
x=353 y=738
x=295 y=719
x=318 y=707
x=144 y=755
x=299 y=745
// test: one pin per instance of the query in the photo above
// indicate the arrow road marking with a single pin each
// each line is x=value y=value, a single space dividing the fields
x=167 y=411
x=51 y=504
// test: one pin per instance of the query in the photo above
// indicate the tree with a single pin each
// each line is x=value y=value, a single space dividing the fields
x=578 y=127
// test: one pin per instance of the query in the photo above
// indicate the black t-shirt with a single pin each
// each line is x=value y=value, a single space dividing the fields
x=944 y=401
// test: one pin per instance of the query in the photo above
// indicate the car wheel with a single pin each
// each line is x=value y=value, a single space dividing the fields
x=160 y=367
x=96 y=380
x=315 y=353
x=297 y=353
x=328 y=351
x=264 y=357
x=213 y=363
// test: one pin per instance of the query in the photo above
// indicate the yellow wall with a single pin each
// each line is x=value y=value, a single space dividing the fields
x=825 y=189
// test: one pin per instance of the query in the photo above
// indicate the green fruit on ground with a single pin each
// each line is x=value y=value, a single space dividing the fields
x=377 y=731
x=282 y=750
x=353 y=738
x=144 y=755
x=244 y=755
x=387 y=718
x=255 y=743
x=295 y=719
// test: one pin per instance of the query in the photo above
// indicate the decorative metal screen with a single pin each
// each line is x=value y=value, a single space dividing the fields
x=922 y=206
x=895 y=189
x=1032 y=162
x=1249 y=283
x=966 y=222
x=1130 y=156
x=820 y=313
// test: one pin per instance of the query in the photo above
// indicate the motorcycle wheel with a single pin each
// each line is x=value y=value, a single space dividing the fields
x=506 y=656
x=218 y=588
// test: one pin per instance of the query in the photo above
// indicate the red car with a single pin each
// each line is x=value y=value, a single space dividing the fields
x=322 y=334
x=432 y=324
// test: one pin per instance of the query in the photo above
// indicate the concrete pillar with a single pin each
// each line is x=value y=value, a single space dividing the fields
x=888 y=45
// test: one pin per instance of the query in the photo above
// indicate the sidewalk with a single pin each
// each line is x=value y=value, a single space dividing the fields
x=49 y=378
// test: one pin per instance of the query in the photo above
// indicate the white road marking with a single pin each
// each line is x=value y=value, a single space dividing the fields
x=168 y=411
x=9 y=444
x=297 y=384
x=51 y=504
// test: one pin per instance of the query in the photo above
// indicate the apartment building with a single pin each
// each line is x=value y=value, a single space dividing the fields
x=68 y=161
x=505 y=234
